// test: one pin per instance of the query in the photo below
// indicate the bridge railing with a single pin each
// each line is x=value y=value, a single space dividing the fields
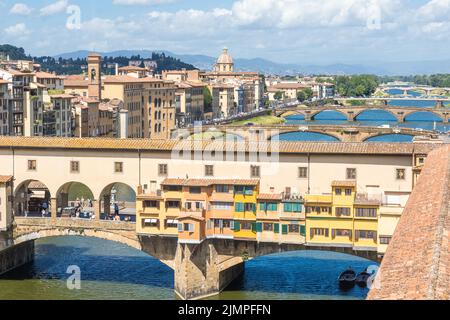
x=75 y=223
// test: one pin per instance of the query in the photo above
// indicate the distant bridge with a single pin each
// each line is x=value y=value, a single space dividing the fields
x=352 y=112
x=269 y=132
x=426 y=89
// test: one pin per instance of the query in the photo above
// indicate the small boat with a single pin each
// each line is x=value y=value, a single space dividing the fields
x=347 y=279
x=361 y=279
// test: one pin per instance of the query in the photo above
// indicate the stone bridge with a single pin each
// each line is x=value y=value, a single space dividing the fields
x=417 y=262
x=352 y=113
x=201 y=270
x=269 y=132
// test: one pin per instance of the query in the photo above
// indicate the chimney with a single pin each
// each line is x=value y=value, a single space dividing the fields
x=117 y=69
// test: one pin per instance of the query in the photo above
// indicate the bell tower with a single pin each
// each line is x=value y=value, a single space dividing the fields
x=94 y=76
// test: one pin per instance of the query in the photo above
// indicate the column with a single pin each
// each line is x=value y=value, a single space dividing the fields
x=107 y=204
x=198 y=273
x=97 y=210
x=53 y=208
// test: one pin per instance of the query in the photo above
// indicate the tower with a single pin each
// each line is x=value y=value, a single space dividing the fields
x=94 y=76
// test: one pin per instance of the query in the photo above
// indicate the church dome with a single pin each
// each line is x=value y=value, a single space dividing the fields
x=225 y=57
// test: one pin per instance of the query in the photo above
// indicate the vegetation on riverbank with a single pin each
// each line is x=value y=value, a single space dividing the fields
x=260 y=120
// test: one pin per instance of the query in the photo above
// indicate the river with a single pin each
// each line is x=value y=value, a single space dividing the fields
x=420 y=120
x=111 y=271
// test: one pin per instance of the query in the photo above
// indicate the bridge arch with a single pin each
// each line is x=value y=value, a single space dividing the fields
x=315 y=114
x=74 y=193
x=314 y=136
x=396 y=137
x=368 y=111
x=436 y=116
x=117 y=196
x=31 y=197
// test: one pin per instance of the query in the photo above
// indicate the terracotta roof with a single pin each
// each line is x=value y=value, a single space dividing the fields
x=46 y=75
x=281 y=86
x=346 y=183
x=132 y=68
x=269 y=196
x=173 y=182
x=149 y=196
x=61 y=96
x=244 y=146
x=75 y=83
x=4 y=179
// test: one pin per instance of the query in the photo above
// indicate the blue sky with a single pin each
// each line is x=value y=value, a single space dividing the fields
x=291 y=31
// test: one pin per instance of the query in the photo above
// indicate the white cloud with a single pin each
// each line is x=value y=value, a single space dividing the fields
x=20 y=9
x=434 y=10
x=141 y=2
x=56 y=7
x=17 y=30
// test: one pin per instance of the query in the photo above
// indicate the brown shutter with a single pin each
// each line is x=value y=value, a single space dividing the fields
x=333 y=233
x=356 y=235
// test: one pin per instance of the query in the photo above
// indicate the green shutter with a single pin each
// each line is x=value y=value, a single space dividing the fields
x=262 y=206
x=259 y=227
x=237 y=226
x=284 y=229
x=272 y=207
x=239 y=207
x=297 y=207
x=303 y=231
x=288 y=207
x=276 y=228
x=253 y=226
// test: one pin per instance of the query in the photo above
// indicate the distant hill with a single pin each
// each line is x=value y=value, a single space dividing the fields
x=72 y=63
x=204 y=62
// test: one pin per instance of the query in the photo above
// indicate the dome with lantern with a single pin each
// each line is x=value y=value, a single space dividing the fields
x=224 y=62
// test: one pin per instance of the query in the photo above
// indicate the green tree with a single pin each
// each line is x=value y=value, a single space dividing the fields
x=278 y=95
x=207 y=98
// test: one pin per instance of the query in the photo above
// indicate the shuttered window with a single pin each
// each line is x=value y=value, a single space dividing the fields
x=284 y=229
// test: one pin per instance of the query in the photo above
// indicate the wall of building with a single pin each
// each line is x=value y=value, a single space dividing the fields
x=16 y=256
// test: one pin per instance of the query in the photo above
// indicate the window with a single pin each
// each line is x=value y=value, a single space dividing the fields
x=221 y=206
x=400 y=173
x=292 y=207
x=173 y=204
x=303 y=172
x=118 y=167
x=365 y=234
x=195 y=190
x=32 y=165
x=319 y=232
x=338 y=191
x=351 y=173
x=366 y=212
x=249 y=207
x=189 y=227
x=209 y=170
x=150 y=204
x=268 y=226
x=245 y=190
x=348 y=192
x=246 y=225
x=222 y=189
x=255 y=171
x=74 y=166
x=162 y=169
x=385 y=239
x=150 y=223
x=343 y=211
x=294 y=228
x=171 y=223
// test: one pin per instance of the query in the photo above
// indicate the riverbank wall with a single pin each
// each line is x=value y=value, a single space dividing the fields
x=12 y=257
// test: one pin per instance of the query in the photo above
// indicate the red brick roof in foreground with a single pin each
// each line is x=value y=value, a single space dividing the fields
x=417 y=261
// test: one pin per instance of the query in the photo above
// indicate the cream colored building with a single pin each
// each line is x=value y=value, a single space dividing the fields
x=223 y=102
x=302 y=168
x=6 y=193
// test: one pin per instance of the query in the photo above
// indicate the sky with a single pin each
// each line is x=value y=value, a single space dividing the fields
x=284 y=31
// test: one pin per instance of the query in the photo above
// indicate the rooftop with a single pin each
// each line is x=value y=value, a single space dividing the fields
x=4 y=179
x=346 y=183
x=407 y=149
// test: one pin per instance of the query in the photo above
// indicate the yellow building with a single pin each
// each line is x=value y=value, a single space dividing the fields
x=245 y=199
x=342 y=218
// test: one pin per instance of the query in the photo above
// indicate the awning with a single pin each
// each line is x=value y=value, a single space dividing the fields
x=151 y=220
x=172 y=221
